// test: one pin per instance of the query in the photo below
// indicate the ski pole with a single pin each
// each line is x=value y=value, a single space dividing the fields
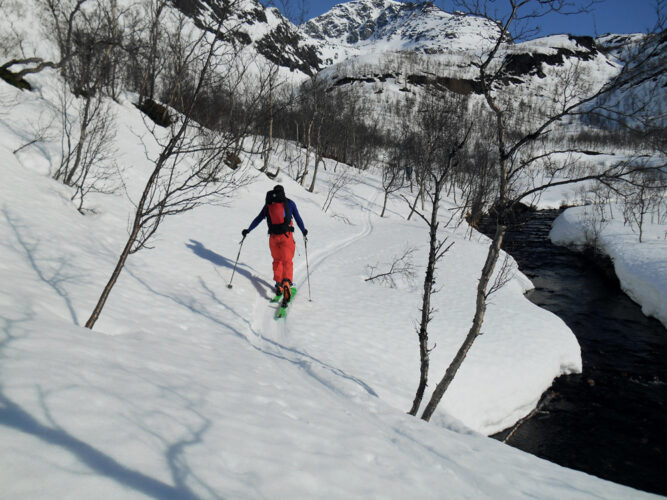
x=236 y=262
x=305 y=242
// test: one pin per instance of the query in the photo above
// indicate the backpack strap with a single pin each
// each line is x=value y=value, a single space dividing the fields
x=288 y=213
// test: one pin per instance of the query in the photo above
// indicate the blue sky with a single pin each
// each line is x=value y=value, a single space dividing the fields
x=609 y=16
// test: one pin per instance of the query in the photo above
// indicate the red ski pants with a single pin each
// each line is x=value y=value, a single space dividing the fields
x=282 y=250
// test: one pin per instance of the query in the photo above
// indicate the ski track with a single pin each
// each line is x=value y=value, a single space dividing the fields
x=270 y=335
x=321 y=255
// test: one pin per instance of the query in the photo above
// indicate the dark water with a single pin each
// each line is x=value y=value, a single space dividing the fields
x=611 y=420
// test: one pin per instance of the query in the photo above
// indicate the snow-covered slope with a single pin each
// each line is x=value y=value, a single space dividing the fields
x=189 y=389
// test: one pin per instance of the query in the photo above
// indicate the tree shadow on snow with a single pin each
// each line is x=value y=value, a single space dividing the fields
x=301 y=359
x=308 y=363
x=200 y=250
x=13 y=416
x=50 y=270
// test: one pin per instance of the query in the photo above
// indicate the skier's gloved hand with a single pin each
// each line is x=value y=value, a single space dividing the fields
x=245 y=232
x=305 y=233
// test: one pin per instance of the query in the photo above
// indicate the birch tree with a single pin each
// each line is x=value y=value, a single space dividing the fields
x=190 y=168
x=519 y=149
x=435 y=148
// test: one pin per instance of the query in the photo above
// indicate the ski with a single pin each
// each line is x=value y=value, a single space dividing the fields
x=282 y=310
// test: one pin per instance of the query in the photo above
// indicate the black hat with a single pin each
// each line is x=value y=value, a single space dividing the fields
x=279 y=192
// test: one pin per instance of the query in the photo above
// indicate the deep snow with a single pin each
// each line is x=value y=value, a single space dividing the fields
x=189 y=389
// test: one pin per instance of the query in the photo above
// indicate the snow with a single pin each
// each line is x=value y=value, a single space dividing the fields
x=361 y=27
x=186 y=388
x=641 y=267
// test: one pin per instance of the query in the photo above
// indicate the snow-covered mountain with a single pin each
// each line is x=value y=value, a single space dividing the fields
x=389 y=45
x=370 y=25
x=384 y=52
x=384 y=49
x=265 y=29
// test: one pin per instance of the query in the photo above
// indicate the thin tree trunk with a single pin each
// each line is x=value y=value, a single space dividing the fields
x=318 y=158
x=136 y=227
x=384 y=204
x=473 y=333
x=426 y=302
x=27 y=144
x=114 y=276
x=317 y=165
x=79 y=147
x=414 y=205
x=305 y=172
x=149 y=75
x=267 y=152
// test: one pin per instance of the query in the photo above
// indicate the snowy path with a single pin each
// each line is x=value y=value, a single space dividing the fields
x=320 y=256
x=275 y=336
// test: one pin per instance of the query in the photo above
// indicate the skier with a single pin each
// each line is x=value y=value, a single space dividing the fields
x=278 y=212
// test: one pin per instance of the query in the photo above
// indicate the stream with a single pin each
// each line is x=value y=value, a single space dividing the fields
x=610 y=420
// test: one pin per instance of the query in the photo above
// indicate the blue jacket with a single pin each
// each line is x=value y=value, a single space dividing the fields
x=264 y=213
